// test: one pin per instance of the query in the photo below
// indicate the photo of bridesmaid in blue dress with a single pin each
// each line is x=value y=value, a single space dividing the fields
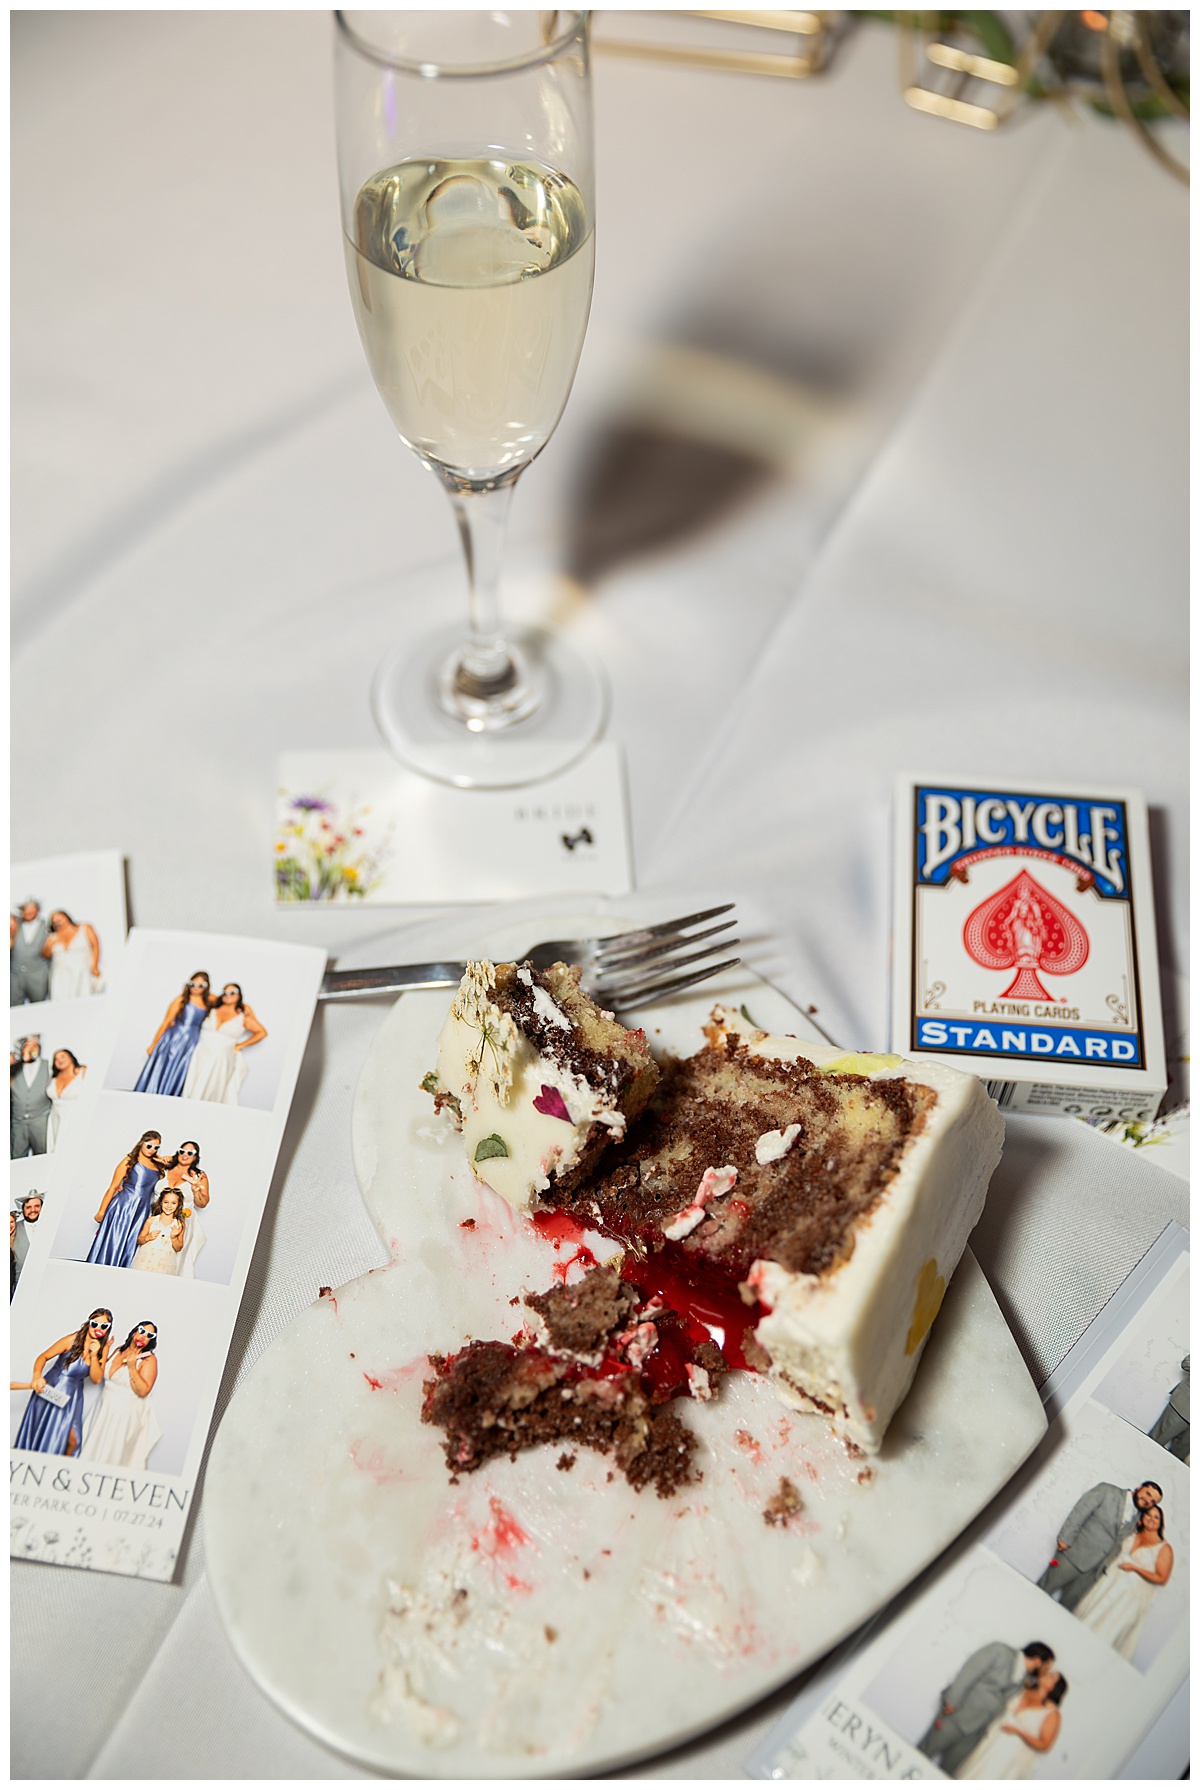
x=170 y=1050
x=53 y=1420
x=126 y=1204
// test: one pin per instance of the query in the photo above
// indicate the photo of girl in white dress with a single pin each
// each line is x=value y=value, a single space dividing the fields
x=161 y=1238
x=1028 y=1727
x=218 y=1065
x=66 y=1085
x=121 y=1428
x=172 y=1236
x=1123 y=1596
x=73 y=949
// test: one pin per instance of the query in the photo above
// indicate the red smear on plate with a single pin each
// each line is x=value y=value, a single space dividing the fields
x=583 y=1257
x=376 y=1465
x=502 y=1535
x=558 y=1227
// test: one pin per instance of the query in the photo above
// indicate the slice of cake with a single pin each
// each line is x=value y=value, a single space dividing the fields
x=538 y=1078
x=594 y=1370
x=799 y=1211
x=837 y=1197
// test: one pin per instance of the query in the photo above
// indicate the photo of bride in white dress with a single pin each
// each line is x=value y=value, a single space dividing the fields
x=121 y=1429
x=1123 y=1596
x=1027 y=1727
x=73 y=949
x=65 y=1087
x=218 y=1066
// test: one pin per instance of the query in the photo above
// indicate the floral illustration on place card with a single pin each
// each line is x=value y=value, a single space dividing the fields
x=327 y=850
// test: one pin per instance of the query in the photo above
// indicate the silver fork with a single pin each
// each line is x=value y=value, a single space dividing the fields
x=626 y=970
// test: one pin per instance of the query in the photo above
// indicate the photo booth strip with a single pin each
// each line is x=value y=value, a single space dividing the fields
x=89 y=887
x=128 y=1515
x=831 y=1731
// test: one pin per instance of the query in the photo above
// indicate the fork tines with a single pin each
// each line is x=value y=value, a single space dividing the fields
x=625 y=942
x=624 y=996
x=636 y=967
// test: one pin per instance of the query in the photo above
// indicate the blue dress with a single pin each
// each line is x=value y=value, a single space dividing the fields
x=46 y=1428
x=127 y=1211
x=167 y=1065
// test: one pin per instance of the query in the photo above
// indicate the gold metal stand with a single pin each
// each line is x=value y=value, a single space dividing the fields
x=810 y=29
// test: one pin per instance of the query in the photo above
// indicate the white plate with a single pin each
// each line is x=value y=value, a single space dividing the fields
x=534 y=1622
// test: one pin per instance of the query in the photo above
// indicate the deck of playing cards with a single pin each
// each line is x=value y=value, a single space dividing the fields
x=1024 y=943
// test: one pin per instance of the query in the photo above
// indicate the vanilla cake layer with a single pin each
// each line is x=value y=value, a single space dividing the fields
x=538 y=1078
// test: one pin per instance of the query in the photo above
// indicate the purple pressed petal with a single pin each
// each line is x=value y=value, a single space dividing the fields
x=551 y=1102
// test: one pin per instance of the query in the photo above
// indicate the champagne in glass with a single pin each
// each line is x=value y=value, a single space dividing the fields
x=470 y=251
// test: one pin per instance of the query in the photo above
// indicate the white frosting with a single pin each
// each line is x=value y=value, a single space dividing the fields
x=639 y=1341
x=714 y=1182
x=549 y=1009
x=699 y=1385
x=772 y=1146
x=496 y=1074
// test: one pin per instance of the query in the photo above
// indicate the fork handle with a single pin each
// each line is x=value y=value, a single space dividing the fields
x=347 y=985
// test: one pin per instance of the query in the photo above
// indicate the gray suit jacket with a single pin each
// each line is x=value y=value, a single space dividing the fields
x=1096 y=1527
x=977 y=1695
x=982 y=1686
x=1172 y=1428
x=30 y=1099
x=28 y=970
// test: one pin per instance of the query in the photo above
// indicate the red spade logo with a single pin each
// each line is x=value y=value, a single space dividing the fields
x=1023 y=927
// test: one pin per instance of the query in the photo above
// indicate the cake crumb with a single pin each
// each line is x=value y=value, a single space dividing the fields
x=466 y=1224
x=865 y=1475
x=782 y=1505
x=565 y=1462
x=551 y=1634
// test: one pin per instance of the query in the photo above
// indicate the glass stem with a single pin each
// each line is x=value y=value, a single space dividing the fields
x=485 y=668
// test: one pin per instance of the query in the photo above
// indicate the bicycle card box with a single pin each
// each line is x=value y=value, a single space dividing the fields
x=1024 y=943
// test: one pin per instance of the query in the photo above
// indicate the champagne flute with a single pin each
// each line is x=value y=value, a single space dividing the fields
x=465 y=174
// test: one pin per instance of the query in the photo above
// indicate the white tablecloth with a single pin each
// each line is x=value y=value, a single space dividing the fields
x=964 y=547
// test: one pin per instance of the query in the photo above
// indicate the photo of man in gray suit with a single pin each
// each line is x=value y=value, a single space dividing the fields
x=28 y=970
x=27 y=1211
x=1173 y=1426
x=977 y=1696
x=29 y=1103
x=1091 y=1538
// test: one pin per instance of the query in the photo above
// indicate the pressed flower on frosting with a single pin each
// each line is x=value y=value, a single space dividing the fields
x=498 y=1036
x=551 y=1102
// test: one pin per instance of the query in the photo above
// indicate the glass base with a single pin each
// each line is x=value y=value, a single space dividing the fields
x=409 y=697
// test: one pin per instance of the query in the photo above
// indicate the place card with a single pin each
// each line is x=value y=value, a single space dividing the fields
x=356 y=827
x=1053 y=1641
x=136 y=1255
